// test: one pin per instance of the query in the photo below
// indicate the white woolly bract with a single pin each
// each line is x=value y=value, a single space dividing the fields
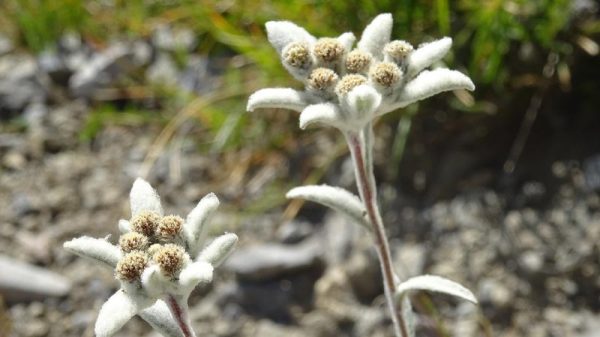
x=194 y=224
x=426 y=55
x=219 y=249
x=98 y=250
x=362 y=101
x=160 y=318
x=117 y=310
x=124 y=226
x=153 y=282
x=281 y=98
x=376 y=35
x=435 y=284
x=195 y=273
x=432 y=82
x=347 y=40
x=282 y=33
x=336 y=198
x=144 y=198
x=323 y=113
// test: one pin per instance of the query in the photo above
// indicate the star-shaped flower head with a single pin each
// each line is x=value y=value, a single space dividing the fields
x=157 y=256
x=347 y=88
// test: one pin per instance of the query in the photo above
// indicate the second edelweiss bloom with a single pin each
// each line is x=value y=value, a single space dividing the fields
x=158 y=260
x=347 y=88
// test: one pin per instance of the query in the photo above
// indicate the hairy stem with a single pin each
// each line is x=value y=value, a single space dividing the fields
x=365 y=182
x=179 y=310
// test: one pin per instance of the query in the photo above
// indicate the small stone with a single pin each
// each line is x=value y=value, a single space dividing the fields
x=270 y=261
x=6 y=44
x=23 y=282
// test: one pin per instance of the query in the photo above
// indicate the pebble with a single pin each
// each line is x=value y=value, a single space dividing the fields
x=24 y=282
x=271 y=260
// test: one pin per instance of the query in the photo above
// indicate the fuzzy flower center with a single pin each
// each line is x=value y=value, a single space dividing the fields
x=133 y=241
x=145 y=223
x=357 y=61
x=170 y=259
x=328 y=50
x=386 y=74
x=297 y=55
x=131 y=266
x=169 y=227
x=398 y=50
x=349 y=82
x=322 y=79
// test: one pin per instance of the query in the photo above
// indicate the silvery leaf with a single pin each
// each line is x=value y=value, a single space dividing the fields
x=124 y=226
x=153 y=282
x=161 y=320
x=195 y=273
x=435 y=284
x=426 y=55
x=347 y=40
x=96 y=249
x=361 y=102
x=429 y=83
x=144 y=198
x=322 y=113
x=376 y=35
x=333 y=197
x=279 y=98
x=196 y=220
x=282 y=33
x=219 y=249
x=117 y=311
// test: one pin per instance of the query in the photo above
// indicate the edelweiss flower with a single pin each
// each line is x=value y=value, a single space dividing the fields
x=347 y=88
x=158 y=262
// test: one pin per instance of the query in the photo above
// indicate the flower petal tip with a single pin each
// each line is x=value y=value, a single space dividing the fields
x=282 y=33
x=143 y=197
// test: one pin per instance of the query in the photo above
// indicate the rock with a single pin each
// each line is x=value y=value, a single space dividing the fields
x=196 y=76
x=341 y=236
x=19 y=84
x=102 y=69
x=364 y=275
x=294 y=231
x=495 y=292
x=163 y=70
x=591 y=172
x=35 y=245
x=409 y=259
x=6 y=44
x=174 y=39
x=23 y=282
x=270 y=261
x=54 y=65
x=264 y=328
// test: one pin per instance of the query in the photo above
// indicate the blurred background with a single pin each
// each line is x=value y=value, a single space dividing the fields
x=496 y=189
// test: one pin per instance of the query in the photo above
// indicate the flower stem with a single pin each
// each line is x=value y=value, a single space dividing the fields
x=179 y=310
x=365 y=182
